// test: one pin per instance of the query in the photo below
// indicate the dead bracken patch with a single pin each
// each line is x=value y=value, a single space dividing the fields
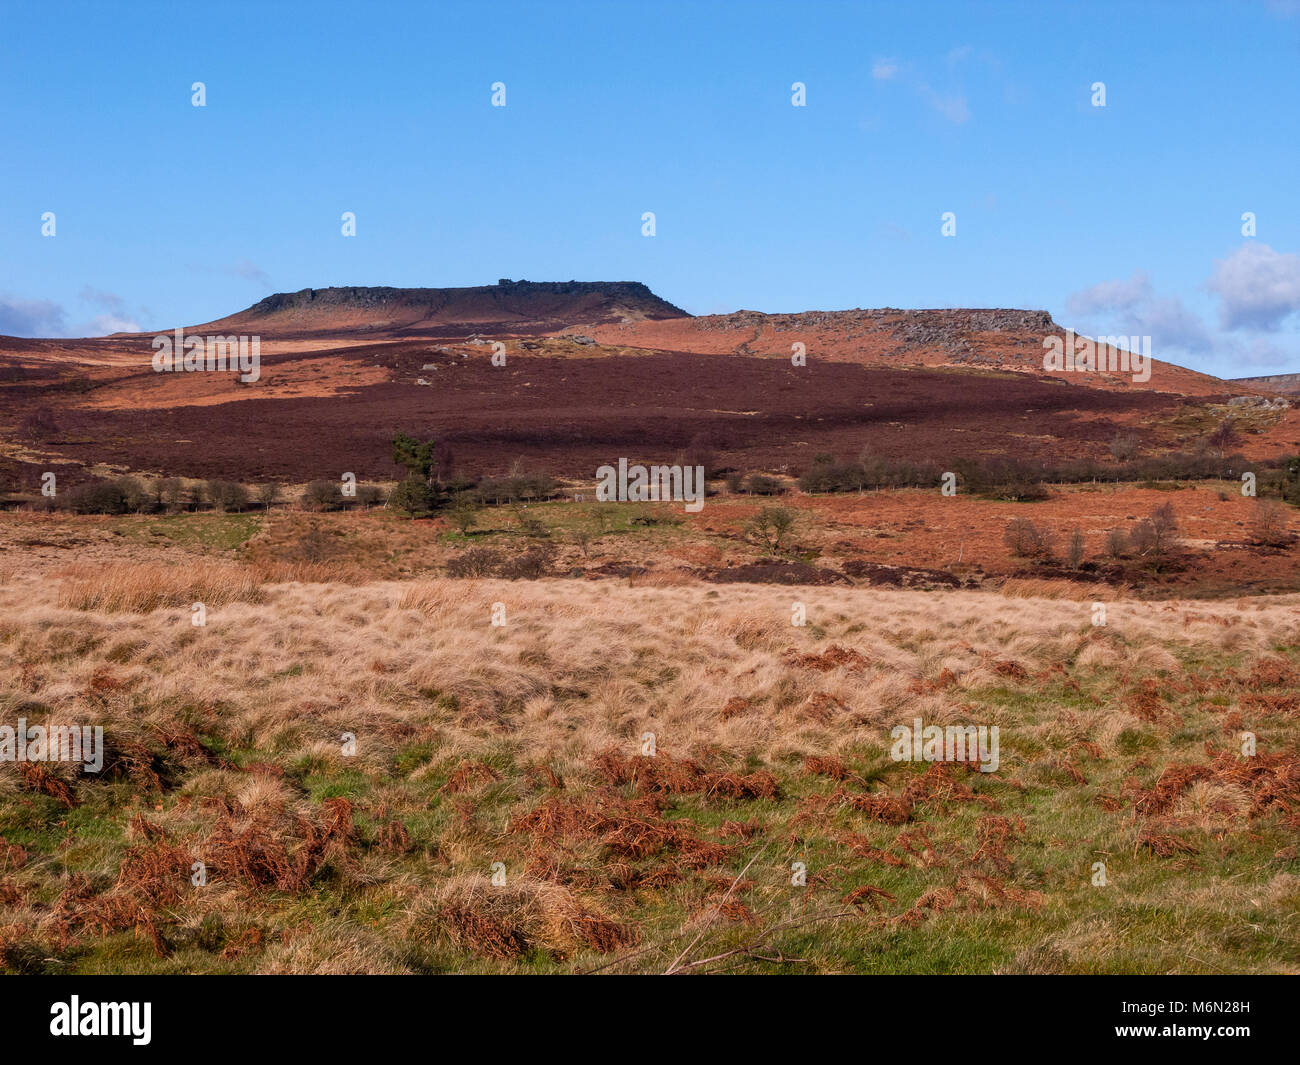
x=664 y=775
x=1145 y=701
x=973 y=893
x=36 y=777
x=12 y=856
x=869 y=894
x=484 y=934
x=834 y=657
x=1162 y=844
x=1272 y=673
x=821 y=707
x=469 y=775
x=505 y=922
x=273 y=846
x=827 y=766
x=880 y=807
x=740 y=829
x=992 y=834
x=736 y=706
x=1010 y=670
x=628 y=829
x=1272 y=782
x=864 y=848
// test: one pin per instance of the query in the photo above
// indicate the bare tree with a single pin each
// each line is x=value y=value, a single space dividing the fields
x=1269 y=525
x=1074 y=550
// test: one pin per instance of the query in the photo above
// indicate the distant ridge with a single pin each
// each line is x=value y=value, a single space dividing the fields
x=1288 y=383
x=543 y=304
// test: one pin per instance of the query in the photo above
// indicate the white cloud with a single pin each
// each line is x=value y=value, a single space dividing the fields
x=884 y=69
x=1130 y=307
x=1257 y=355
x=45 y=318
x=104 y=324
x=30 y=318
x=1111 y=295
x=1257 y=287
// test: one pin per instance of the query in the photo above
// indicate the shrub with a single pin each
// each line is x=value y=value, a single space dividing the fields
x=1027 y=540
x=582 y=537
x=1142 y=537
x=414 y=497
x=1290 y=490
x=760 y=484
x=463 y=513
x=226 y=495
x=121 y=495
x=517 y=487
x=701 y=451
x=173 y=493
x=827 y=475
x=532 y=564
x=1224 y=436
x=1124 y=447
x=1116 y=543
x=1074 y=550
x=476 y=562
x=771 y=526
x=323 y=495
x=1268 y=526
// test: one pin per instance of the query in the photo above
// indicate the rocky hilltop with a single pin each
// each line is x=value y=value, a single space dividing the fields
x=1288 y=383
x=542 y=304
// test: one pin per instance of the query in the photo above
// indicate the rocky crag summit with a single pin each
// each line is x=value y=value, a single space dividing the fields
x=532 y=304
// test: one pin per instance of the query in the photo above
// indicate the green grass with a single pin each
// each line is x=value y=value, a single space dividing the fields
x=207 y=531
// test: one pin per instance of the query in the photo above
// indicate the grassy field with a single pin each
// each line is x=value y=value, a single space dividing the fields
x=377 y=778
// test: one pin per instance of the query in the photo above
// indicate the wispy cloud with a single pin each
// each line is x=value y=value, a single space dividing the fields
x=951 y=105
x=250 y=271
x=1131 y=307
x=109 y=300
x=103 y=324
x=46 y=318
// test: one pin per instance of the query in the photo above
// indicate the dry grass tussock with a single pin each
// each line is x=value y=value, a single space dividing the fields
x=579 y=667
x=522 y=743
x=141 y=587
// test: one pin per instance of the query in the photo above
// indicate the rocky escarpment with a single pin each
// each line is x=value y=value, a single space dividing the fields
x=955 y=331
x=1288 y=383
x=536 y=303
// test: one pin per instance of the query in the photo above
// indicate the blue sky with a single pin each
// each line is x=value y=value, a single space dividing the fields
x=1121 y=219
